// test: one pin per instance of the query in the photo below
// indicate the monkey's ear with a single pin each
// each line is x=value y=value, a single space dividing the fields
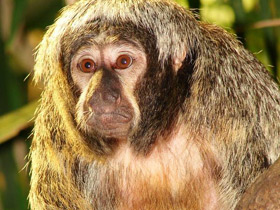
x=178 y=60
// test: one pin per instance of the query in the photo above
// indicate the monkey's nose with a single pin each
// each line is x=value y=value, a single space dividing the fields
x=111 y=97
x=104 y=101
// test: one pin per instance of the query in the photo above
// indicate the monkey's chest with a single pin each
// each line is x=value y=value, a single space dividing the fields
x=140 y=183
x=169 y=177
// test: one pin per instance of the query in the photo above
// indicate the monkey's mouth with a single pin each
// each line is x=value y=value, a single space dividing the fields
x=114 y=119
x=114 y=124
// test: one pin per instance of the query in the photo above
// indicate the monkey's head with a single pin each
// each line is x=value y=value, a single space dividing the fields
x=120 y=68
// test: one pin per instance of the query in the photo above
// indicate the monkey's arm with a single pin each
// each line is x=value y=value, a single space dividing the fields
x=264 y=193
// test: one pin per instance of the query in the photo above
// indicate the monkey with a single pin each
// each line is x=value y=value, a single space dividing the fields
x=145 y=107
x=264 y=192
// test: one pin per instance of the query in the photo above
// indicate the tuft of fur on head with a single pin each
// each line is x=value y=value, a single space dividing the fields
x=169 y=43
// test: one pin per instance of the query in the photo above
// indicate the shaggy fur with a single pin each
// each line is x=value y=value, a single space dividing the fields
x=204 y=132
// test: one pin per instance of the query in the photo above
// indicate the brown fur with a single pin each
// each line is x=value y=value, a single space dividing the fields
x=204 y=132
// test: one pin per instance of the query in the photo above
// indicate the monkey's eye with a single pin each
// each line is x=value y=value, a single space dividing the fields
x=87 y=65
x=123 y=62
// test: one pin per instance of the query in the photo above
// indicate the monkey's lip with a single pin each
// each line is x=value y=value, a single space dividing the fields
x=114 y=118
x=110 y=121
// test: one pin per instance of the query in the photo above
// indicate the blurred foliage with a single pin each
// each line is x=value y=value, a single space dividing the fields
x=22 y=25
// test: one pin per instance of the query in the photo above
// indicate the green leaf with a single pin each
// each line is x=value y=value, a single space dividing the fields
x=14 y=122
x=18 y=14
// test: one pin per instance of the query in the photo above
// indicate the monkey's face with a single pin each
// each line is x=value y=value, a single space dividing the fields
x=106 y=75
x=124 y=92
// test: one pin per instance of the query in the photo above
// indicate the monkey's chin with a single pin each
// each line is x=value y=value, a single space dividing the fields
x=111 y=125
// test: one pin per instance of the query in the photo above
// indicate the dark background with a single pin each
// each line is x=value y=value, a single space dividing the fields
x=22 y=25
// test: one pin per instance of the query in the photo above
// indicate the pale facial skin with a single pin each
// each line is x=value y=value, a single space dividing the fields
x=106 y=75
